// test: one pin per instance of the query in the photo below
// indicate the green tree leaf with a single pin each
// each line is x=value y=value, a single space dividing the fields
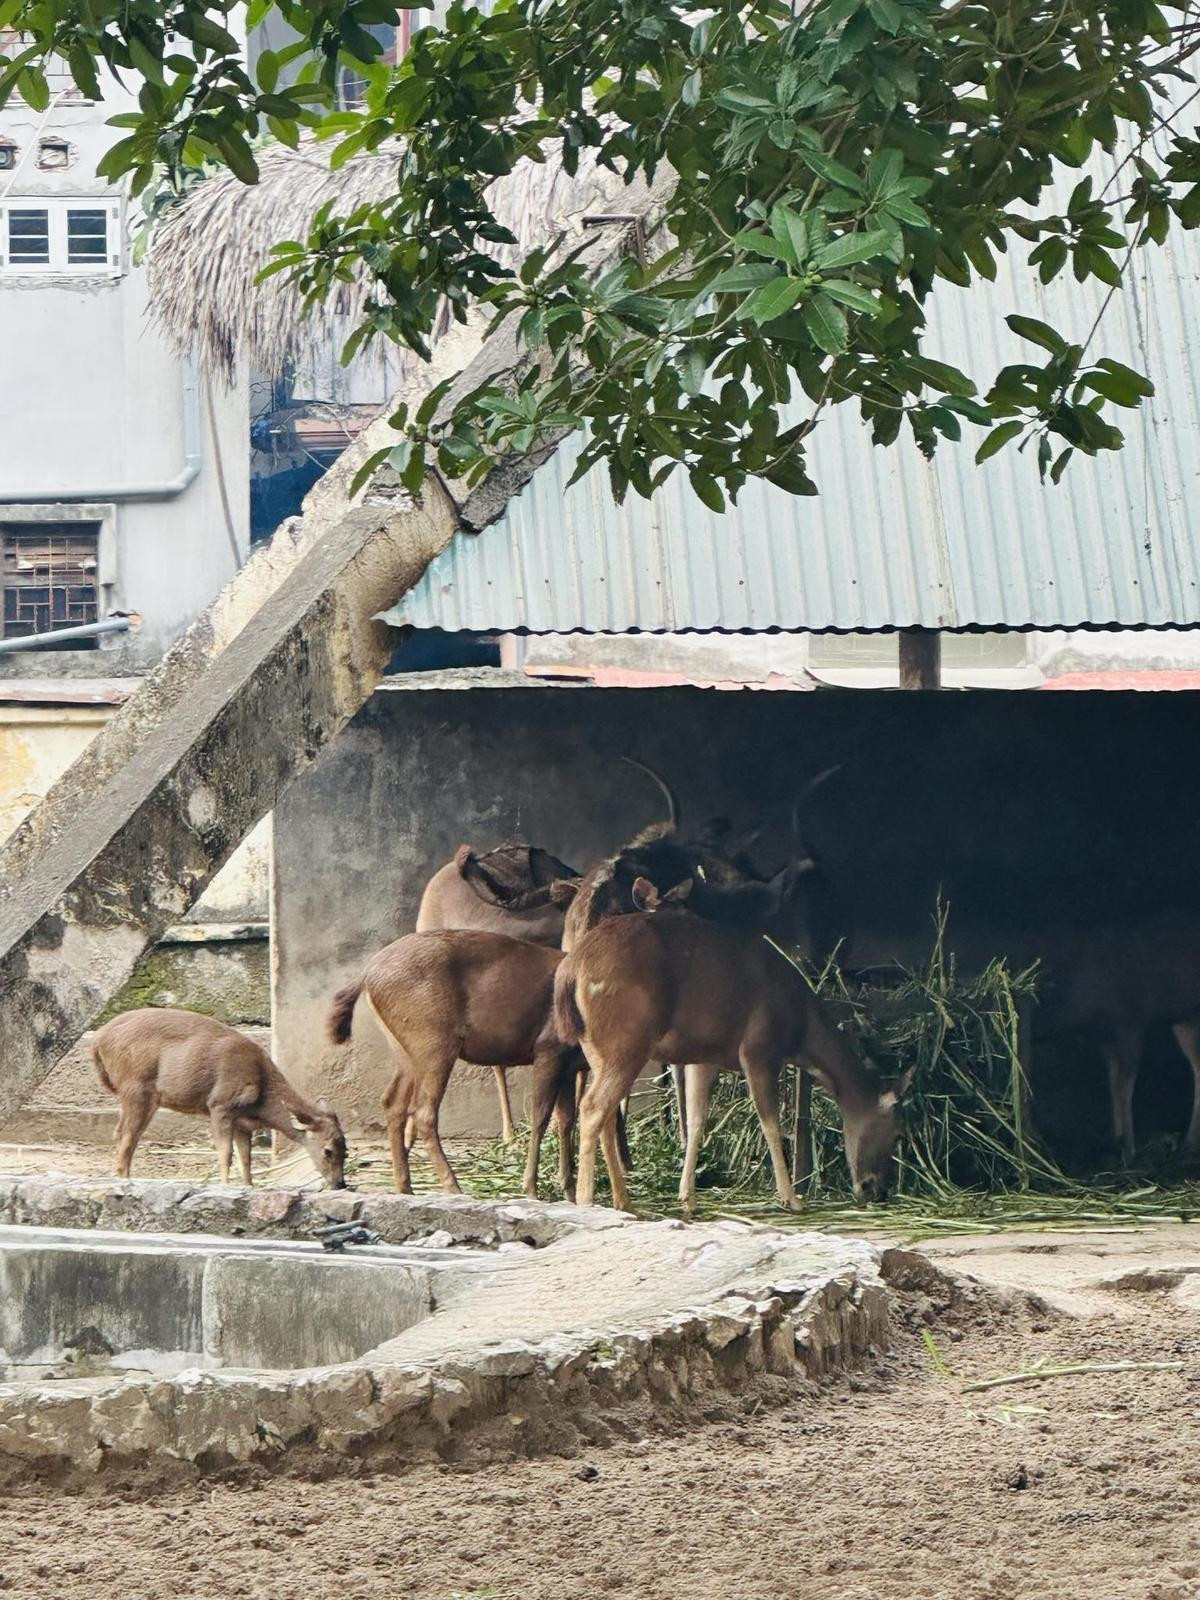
x=997 y=439
x=1036 y=332
x=826 y=321
x=772 y=300
x=852 y=295
x=848 y=248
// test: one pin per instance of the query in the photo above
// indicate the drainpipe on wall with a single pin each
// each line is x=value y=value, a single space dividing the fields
x=86 y=630
x=168 y=489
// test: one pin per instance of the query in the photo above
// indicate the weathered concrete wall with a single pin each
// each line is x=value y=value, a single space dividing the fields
x=1019 y=806
x=37 y=745
x=169 y=1305
x=229 y=979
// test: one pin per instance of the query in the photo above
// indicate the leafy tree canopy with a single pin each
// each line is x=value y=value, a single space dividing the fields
x=834 y=162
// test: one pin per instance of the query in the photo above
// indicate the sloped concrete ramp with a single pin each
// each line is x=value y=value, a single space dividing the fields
x=130 y=836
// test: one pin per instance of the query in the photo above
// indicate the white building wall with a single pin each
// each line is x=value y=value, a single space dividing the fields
x=95 y=409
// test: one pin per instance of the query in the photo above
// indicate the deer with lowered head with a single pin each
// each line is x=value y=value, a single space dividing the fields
x=463 y=994
x=664 y=985
x=195 y=1064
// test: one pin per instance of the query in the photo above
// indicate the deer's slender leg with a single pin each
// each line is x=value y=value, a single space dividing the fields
x=1122 y=1052
x=135 y=1114
x=679 y=1081
x=242 y=1135
x=508 y=1131
x=547 y=1068
x=802 y=1144
x=428 y=1091
x=620 y=1123
x=608 y=1084
x=395 y=1112
x=697 y=1088
x=564 y=1126
x=1187 y=1035
x=221 y=1118
x=610 y=1143
x=762 y=1074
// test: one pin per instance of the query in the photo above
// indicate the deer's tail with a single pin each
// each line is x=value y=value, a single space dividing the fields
x=568 y=1019
x=341 y=1012
x=97 y=1061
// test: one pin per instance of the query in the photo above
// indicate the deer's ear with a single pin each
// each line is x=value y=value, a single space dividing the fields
x=563 y=891
x=892 y=1096
x=679 y=893
x=645 y=895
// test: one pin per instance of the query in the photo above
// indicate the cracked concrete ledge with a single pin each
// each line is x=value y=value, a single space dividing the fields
x=129 y=1205
x=653 y=1316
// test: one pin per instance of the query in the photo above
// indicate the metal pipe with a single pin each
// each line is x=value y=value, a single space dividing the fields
x=86 y=630
x=168 y=489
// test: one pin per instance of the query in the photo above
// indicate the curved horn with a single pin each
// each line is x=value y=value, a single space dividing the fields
x=655 y=777
x=813 y=783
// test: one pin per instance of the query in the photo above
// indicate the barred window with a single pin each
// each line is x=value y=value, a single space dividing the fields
x=48 y=578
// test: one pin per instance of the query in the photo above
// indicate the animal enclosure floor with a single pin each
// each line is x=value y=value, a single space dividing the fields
x=195 y=1162
x=893 y=1486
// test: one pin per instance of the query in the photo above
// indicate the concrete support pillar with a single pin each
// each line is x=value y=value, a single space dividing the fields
x=129 y=837
x=920 y=658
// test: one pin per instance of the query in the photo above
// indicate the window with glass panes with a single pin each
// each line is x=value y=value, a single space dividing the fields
x=39 y=235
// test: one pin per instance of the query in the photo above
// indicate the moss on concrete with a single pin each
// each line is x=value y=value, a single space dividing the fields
x=229 y=980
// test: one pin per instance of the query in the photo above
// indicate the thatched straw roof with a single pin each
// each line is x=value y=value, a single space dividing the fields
x=209 y=249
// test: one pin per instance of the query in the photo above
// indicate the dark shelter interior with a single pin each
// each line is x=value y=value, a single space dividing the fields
x=1039 y=817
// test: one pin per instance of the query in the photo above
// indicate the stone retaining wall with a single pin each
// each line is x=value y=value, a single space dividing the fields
x=535 y=1354
x=59 y=1201
x=511 y=1398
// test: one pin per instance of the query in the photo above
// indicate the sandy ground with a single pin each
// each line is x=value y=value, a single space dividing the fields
x=890 y=1486
x=193 y=1161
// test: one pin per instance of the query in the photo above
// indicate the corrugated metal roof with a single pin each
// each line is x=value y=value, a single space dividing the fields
x=892 y=541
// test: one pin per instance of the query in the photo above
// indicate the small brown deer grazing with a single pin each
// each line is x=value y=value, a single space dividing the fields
x=194 y=1064
x=666 y=985
x=463 y=994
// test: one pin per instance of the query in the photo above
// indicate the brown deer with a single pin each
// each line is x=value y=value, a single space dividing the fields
x=462 y=994
x=511 y=890
x=664 y=985
x=711 y=871
x=507 y=891
x=1114 y=982
x=185 y=1062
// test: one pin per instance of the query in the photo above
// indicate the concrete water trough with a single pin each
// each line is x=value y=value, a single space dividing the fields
x=146 y=1323
x=76 y=1301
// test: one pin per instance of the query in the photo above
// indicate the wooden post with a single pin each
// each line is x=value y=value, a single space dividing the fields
x=920 y=658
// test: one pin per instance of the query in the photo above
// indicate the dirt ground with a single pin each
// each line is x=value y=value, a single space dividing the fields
x=894 y=1485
